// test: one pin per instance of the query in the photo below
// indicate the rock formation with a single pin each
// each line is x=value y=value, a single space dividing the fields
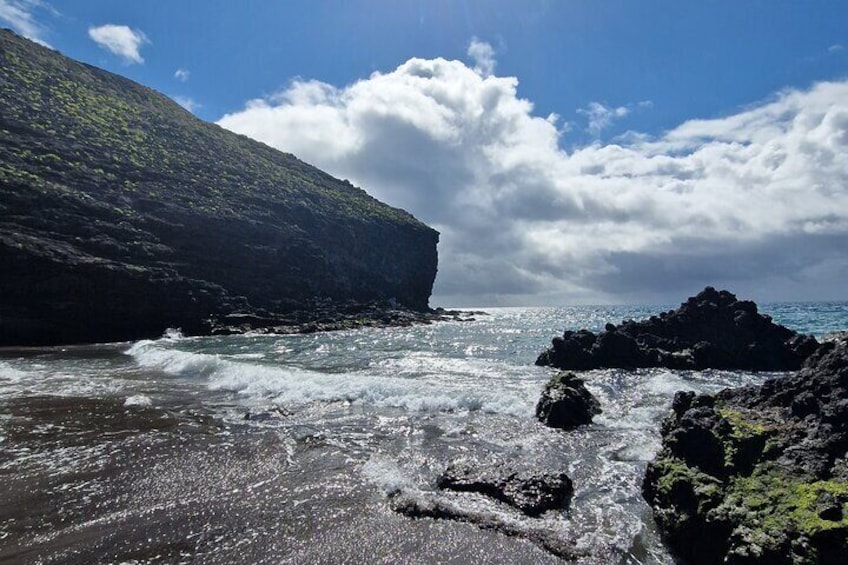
x=711 y=330
x=758 y=474
x=491 y=495
x=429 y=505
x=531 y=493
x=122 y=214
x=566 y=403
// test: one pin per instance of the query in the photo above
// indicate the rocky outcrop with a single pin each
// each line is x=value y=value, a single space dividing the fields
x=529 y=492
x=329 y=315
x=488 y=494
x=712 y=330
x=566 y=403
x=758 y=474
x=121 y=215
x=428 y=505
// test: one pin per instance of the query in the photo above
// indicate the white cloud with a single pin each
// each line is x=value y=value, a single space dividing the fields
x=836 y=48
x=120 y=40
x=186 y=102
x=756 y=201
x=182 y=75
x=600 y=116
x=20 y=15
x=483 y=56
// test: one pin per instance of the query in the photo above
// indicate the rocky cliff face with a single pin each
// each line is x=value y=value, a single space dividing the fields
x=122 y=214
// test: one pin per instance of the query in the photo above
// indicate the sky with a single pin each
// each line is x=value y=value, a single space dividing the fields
x=569 y=152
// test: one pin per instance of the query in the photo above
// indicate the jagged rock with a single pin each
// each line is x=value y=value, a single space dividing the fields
x=710 y=330
x=566 y=403
x=835 y=336
x=531 y=493
x=758 y=474
x=121 y=214
x=417 y=504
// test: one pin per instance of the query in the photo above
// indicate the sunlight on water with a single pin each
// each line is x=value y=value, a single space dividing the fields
x=295 y=438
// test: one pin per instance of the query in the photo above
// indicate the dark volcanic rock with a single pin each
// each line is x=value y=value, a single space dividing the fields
x=121 y=214
x=531 y=493
x=427 y=505
x=758 y=474
x=566 y=403
x=711 y=330
x=497 y=482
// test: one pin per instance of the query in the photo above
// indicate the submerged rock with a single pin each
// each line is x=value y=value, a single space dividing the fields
x=419 y=504
x=758 y=474
x=531 y=493
x=711 y=330
x=501 y=495
x=566 y=403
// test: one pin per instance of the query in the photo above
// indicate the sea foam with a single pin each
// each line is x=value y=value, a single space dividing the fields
x=138 y=400
x=293 y=385
x=11 y=374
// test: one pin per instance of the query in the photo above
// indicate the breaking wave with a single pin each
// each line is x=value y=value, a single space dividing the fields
x=382 y=386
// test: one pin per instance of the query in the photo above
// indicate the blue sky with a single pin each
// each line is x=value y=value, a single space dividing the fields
x=610 y=165
x=701 y=59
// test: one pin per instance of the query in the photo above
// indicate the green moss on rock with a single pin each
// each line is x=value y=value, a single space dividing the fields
x=758 y=474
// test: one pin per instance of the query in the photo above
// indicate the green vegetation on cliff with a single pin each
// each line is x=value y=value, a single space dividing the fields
x=121 y=213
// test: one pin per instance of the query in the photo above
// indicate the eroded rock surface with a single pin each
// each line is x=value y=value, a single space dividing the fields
x=566 y=403
x=758 y=474
x=505 y=496
x=530 y=492
x=428 y=505
x=711 y=330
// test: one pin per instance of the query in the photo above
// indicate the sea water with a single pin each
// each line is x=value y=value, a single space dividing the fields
x=288 y=449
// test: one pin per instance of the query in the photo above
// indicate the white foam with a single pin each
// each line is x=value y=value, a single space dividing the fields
x=387 y=475
x=158 y=354
x=293 y=385
x=667 y=383
x=247 y=356
x=138 y=400
x=173 y=334
x=11 y=373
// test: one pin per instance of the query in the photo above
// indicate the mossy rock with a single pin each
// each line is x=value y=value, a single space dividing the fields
x=773 y=487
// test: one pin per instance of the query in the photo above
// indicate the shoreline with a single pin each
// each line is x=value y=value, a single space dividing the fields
x=341 y=318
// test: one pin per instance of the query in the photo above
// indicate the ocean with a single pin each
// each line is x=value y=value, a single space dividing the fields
x=288 y=449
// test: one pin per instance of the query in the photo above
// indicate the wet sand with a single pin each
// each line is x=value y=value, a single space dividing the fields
x=94 y=481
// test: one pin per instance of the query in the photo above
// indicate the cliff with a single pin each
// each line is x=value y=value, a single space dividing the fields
x=121 y=214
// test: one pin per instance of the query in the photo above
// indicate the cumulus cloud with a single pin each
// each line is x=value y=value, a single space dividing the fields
x=20 y=14
x=756 y=201
x=483 y=56
x=182 y=75
x=121 y=40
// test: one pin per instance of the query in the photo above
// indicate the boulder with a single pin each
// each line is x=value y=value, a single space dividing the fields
x=416 y=504
x=530 y=492
x=758 y=474
x=566 y=403
x=498 y=482
x=712 y=330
